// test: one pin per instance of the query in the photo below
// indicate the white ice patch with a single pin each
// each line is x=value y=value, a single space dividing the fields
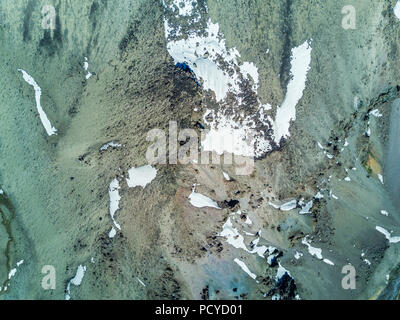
x=316 y=252
x=385 y=213
x=388 y=235
x=306 y=209
x=367 y=262
x=281 y=272
x=86 y=67
x=111 y=144
x=201 y=54
x=272 y=254
x=250 y=69
x=248 y=221
x=112 y=233
x=80 y=272
x=141 y=176
x=319 y=195
x=235 y=239
x=1 y=191
x=271 y=258
x=227 y=136
x=327 y=261
x=298 y=255
x=76 y=281
x=232 y=235
x=238 y=138
x=245 y=268
x=380 y=177
x=376 y=113
x=185 y=7
x=226 y=176
x=12 y=273
x=200 y=201
x=276 y=206
x=328 y=155
x=300 y=61
x=249 y=233
x=347 y=179
x=38 y=92
x=397 y=10
x=114 y=200
x=287 y=206
x=210 y=60
x=141 y=282
x=260 y=250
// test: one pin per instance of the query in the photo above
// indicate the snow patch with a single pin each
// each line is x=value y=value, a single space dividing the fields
x=226 y=176
x=306 y=209
x=319 y=195
x=385 y=213
x=397 y=10
x=376 y=113
x=12 y=273
x=281 y=272
x=225 y=135
x=287 y=206
x=367 y=262
x=387 y=234
x=141 y=282
x=316 y=252
x=141 y=176
x=298 y=255
x=111 y=144
x=201 y=53
x=76 y=280
x=185 y=7
x=112 y=233
x=86 y=67
x=219 y=70
x=235 y=239
x=300 y=61
x=245 y=268
x=327 y=261
x=200 y=201
x=114 y=200
x=38 y=92
x=232 y=235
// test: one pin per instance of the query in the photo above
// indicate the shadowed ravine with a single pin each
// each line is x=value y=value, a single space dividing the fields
x=7 y=215
x=392 y=162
